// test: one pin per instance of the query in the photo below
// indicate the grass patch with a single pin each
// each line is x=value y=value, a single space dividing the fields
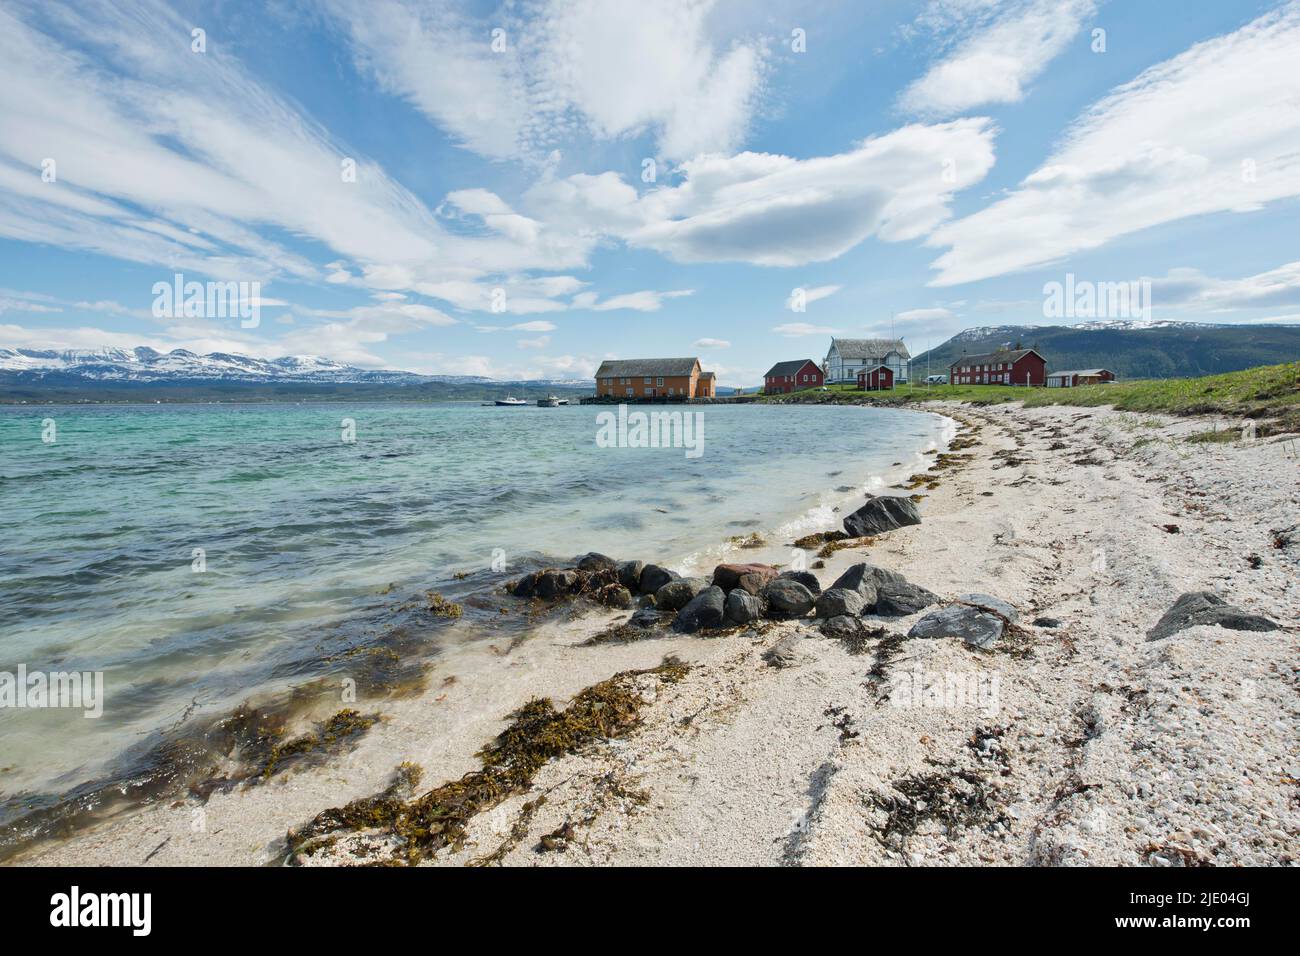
x=1269 y=391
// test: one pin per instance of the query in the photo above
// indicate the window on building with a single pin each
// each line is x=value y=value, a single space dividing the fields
x=659 y=381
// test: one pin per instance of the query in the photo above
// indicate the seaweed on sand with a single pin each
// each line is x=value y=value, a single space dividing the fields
x=537 y=733
x=955 y=799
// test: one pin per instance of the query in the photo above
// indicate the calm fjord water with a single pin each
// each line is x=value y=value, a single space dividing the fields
x=302 y=532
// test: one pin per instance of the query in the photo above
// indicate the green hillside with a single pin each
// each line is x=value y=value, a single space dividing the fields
x=1183 y=350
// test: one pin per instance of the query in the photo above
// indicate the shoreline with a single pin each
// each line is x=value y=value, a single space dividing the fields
x=800 y=764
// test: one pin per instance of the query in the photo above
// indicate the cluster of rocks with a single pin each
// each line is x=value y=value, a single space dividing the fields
x=739 y=594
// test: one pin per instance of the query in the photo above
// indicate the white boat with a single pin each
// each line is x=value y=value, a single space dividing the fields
x=550 y=401
x=511 y=401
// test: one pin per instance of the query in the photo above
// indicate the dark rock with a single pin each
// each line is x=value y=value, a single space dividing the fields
x=787 y=598
x=865 y=579
x=646 y=600
x=976 y=627
x=784 y=653
x=594 y=561
x=898 y=599
x=1047 y=622
x=1206 y=607
x=806 y=578
x=614 y=595
x=882 y=514
x=844 y=628
x=646 y=617
x=727 y=576
x=629 y=574
x=527 y=585
x=654 y=577
x=743 y=607
x=988 y=602
x=837 y=601
x=553 y=584
x=675 y=595
x=706 y=609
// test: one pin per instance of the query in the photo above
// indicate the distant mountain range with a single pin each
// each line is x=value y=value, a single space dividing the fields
x=113 y=374
x=1131 y=349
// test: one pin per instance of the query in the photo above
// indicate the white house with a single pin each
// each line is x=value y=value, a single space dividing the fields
x=848 y=357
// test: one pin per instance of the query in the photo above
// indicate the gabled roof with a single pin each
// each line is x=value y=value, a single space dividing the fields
x=870 y=348
x=1082 y=371
x=789 y=368
x=992 y=358
x=868 y=371
x=631 y=368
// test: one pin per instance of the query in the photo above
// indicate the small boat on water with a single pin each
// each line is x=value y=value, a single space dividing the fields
x=551 y=401
x=511 y=401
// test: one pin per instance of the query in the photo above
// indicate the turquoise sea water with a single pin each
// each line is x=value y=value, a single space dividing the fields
x=302 y=533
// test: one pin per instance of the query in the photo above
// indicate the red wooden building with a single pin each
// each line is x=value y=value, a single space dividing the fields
x=1012 y=367
x=793 y=376
x=875 y=379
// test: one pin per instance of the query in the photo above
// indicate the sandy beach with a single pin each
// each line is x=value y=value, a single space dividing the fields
x=1082 y=743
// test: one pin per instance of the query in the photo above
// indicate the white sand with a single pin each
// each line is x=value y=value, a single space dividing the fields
x=1099 y=748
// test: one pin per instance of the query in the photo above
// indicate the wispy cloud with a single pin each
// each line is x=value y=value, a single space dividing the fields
x=1214 y=129
x=1006 y=47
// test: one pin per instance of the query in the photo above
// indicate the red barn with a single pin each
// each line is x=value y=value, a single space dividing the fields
x=793 y=376
x=875 y=379
x=1014 y=367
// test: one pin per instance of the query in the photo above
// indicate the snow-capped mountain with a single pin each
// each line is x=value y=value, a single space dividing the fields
x=180 y=365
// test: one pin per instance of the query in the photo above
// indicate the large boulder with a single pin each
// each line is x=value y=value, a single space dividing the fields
x=675 y=595
x=706 y=609
x=728 y=576
x=787 y=598
x=882 y=514
x=743 y=607
x=594 y=561
x=653 y=577
x=806 y=578
x=629 y=574
x=898 y=599
x=865 y=579
x=553 y=584
x=975 y=626
x=1206 y=607
x=836 y=601
x=988 y=602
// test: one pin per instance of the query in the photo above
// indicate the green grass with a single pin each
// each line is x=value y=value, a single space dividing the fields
x=1267 y=392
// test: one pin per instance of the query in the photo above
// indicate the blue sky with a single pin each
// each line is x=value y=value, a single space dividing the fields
x=924 y=167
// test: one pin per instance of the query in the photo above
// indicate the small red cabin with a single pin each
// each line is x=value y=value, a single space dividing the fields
x=1015 y=367
x=875 y=379
x=793 y=376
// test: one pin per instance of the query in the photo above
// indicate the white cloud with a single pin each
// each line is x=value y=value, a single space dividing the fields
x=996 y=60
x=775 y=210
x=796 y=329
x=644 y=301
x=923 y=315
x=712 y=344
x=572 y=67
x=812 y=295
x=541 y=342
x=1214 y=129
x=1189 y=288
